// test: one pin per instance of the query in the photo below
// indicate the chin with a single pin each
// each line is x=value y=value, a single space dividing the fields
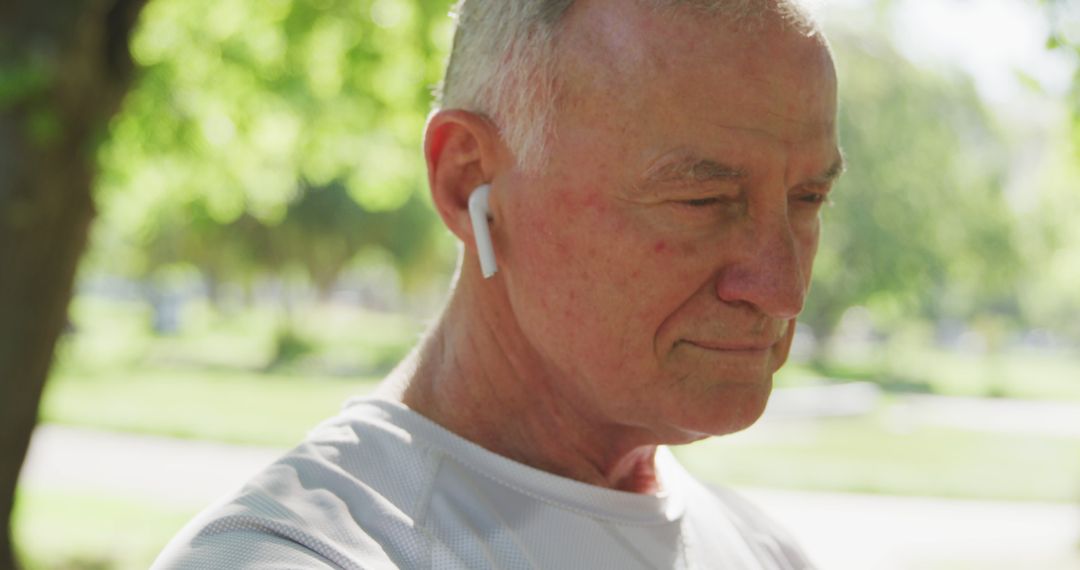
x=728 y=407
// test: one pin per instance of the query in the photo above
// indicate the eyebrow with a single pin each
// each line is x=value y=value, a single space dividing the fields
x=832 y=173
x=693 y=169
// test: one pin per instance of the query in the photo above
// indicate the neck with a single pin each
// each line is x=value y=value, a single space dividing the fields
x=476 y=375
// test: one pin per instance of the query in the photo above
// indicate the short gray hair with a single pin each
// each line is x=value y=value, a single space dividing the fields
x=504 y=59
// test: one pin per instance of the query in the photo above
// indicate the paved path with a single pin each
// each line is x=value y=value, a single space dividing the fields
x=841 y=532
x=849 y=532
x=175 y=472
x=1058 y=419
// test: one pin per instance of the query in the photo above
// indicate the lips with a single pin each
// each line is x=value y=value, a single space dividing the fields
x=756 y=337
x=734 y=346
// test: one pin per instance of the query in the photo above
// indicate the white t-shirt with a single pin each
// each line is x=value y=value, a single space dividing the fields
x=380 y=486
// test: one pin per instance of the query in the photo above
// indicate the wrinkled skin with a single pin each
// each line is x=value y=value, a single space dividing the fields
x=651 y=273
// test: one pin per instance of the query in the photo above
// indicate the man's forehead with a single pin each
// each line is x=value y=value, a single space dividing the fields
x=644 y=85
x=622 y=47
x=635 y=32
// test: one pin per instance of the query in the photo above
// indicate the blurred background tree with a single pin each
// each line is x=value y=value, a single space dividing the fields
x=260 y=136
x=1052 y=296
x=269 y=137
x=63 y=73
x=919 y=227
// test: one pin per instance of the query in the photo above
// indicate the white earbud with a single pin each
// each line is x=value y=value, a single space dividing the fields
x=478 y=213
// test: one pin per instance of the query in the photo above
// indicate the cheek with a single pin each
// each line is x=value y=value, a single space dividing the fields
x=808 y=245
x=551 y=270
x=587 y=282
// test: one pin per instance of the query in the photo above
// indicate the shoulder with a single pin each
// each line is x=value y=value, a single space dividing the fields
x=768 y=539
x=345 y=498
x=716 y=511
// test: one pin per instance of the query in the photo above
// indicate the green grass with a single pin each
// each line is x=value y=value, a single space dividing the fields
x=867 y=455
x=864 y=454
x=114 y=337
x=214 y=405
x=210 y=382
x=59 y=530
x=1017 y=374
x=1024 y=374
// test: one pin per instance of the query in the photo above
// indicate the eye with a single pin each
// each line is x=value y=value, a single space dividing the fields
x=700 y=202
x=814 y=198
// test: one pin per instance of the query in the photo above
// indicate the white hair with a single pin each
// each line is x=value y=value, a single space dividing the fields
x=504 y=60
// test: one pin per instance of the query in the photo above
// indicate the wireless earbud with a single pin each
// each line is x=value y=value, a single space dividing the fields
x=478 y=214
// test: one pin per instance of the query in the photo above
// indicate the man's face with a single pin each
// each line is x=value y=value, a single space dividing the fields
x=658 y=262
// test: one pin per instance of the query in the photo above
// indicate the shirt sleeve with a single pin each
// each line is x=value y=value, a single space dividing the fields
x=241 y=547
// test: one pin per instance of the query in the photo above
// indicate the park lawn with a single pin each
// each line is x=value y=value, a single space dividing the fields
x=112 y=337
x=868 y=454
x=232 y=407
x=71 y=530
x=1021 y=374
x=1017 y=373
x=56 y=529
x=210 y=382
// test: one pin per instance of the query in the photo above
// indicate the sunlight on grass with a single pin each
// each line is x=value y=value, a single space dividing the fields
x=216 y=379
x=214 y=405
x=209 y=381
x=870 y=455
x=111 y=337
x=1025 y=374
x=78 y=531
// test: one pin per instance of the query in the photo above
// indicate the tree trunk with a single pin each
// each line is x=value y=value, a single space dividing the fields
x=66 y=68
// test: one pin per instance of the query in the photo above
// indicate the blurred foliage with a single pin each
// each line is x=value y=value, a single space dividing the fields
x=268 y=135
x=1053 y=296
x=1048 y=291
x=919 y=226
x=282 y=138
x=1063 y=17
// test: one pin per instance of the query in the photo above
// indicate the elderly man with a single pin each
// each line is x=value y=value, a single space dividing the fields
x=645 y=179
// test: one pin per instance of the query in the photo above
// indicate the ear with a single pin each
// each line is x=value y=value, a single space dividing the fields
x=463 y=151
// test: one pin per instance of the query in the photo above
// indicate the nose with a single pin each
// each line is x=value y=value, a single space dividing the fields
x=766 y=272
